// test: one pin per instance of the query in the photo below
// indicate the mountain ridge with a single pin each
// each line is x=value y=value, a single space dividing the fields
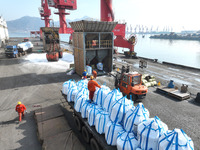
x=28 y=23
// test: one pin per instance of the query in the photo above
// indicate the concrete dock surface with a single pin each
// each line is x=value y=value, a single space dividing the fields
x=38 y=84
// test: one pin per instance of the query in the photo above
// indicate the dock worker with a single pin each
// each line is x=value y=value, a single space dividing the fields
x=84 y=74
x=92 y=87
x=20 y=108
x=94 y=73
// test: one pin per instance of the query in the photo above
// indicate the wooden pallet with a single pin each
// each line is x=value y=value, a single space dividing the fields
x=173 y=92
x=165 y=90
x=179 y=95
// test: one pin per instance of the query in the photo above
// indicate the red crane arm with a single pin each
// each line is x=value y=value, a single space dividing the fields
x=123 y=42
x=119 y=30
x=46 y=12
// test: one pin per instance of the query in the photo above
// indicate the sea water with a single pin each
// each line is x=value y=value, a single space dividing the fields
x=183 y=52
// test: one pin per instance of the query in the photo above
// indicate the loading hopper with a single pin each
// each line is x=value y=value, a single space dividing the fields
x=93 y=26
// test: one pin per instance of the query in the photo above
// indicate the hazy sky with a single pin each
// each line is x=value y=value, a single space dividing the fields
x=180 y=14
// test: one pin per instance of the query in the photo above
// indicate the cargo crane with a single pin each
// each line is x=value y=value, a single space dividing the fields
x=45 y=13
x=61 y=5
x=119 y=31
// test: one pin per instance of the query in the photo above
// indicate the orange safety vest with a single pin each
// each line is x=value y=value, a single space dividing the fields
x=20 y=108
x=92 y=85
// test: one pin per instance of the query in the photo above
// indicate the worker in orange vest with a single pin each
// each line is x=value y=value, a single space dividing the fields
x=94 y=73
x=20 y=109
x=92 y=87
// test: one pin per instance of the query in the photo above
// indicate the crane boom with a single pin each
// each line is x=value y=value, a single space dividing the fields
x=45 y=12
x=119 y=31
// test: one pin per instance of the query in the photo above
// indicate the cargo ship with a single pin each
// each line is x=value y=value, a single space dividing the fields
x=3 y=32
x=175 y=36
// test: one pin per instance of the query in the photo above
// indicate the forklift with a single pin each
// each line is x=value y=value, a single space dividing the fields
x=130 y=84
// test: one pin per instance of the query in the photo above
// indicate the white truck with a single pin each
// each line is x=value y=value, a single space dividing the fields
x=25 y=47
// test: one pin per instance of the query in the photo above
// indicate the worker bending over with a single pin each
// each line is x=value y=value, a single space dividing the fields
x=84 y=74
x=20 y=109
x=94 y=73
x=92 y=87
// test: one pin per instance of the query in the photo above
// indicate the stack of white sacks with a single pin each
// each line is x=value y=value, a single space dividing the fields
x=124 y=126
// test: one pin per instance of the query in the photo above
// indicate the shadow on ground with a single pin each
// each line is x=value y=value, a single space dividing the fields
x=34 y=79
x=30 y=140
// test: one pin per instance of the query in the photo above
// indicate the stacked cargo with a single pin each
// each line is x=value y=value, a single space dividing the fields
x=148 y=80
x=124 y=125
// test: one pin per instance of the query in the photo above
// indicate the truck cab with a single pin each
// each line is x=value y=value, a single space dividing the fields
x=25 y=40
x=11 y=51
x=130 y=84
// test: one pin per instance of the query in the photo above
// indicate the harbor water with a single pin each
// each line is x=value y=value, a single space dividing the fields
x=182 y=52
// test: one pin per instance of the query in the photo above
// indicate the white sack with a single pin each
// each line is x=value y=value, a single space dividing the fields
x=72 y=93
x=134 y=117
x=119 y=109
x=84 y=108
x=111 y=97
x=101 y=120
x=82 y=92
x=100 y=94
x=100 y=66
x=79 y=102
x=175 y=139
x=149 y=133
x=89 y=70
x=67 y=86
x=126 y=141
x=91 y=113
x=111 y=131
x=82 y=83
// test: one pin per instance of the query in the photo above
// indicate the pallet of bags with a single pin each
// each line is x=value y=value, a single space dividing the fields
x=111 y=97
x=148 y=80
x=92 y=112
x=78 y=105
x=86 y=105
x=134 y=117
x=111 y=132
x=126 y=141
x=175 y=140
x=119 y=109
x=82 y=92
x=101 y=120
x=100 y=95
x=82 y=83
x=72 y=93
x=67 y=86
x=149 y=133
